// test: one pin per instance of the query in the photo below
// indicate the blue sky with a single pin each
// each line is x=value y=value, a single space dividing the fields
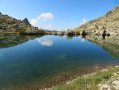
x=57 y=14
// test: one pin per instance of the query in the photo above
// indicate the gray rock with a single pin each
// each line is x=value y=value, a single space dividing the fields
x=105 y=87
x=116 y=85
x=26 y=21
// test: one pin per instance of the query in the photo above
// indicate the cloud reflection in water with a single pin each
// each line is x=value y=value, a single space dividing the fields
x=45 y=42
x=82 y=40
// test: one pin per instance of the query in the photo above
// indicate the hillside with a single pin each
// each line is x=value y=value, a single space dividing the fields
x=105 y=25
x=10 y=25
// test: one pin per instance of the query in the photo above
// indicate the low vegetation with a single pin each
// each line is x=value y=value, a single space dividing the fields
x=89 y=82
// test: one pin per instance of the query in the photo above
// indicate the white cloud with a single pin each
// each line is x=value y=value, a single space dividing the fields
x=83 y=21
x=34 y=22
x=45 y=42
x=45 y=16
x=83 y=40
x=48 y=27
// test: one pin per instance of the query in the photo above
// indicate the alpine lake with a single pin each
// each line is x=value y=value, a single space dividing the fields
x=28 y=62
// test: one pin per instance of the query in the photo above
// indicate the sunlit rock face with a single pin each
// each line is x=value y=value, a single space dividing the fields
x=105 y=25
x=109 y=44
x=10 y=25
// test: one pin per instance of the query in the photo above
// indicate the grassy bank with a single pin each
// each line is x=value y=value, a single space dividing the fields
x=91 y=81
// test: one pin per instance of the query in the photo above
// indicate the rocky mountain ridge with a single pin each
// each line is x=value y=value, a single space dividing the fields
x=104 y=25
x=10 y=25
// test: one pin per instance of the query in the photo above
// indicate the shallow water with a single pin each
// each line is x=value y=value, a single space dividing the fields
x=34 y=61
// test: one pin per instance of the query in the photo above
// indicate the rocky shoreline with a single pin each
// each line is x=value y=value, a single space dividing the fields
x=111 y=84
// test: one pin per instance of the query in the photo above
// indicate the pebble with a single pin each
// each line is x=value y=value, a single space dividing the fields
x=68 y=82
x=99 y=85
x=105 y=86
x=115 y=85
x=115 y=74
x=116 y=66
x=118 y=72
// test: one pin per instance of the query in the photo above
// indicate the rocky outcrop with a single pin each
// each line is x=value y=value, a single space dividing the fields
x=105 y=25
x=9 y=25
x=26 y=21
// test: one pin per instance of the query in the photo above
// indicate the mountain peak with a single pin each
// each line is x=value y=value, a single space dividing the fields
x=113 y=11
x=104 y=25
x=26 y=21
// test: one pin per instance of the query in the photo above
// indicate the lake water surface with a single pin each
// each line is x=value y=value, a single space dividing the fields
x=35 y=61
